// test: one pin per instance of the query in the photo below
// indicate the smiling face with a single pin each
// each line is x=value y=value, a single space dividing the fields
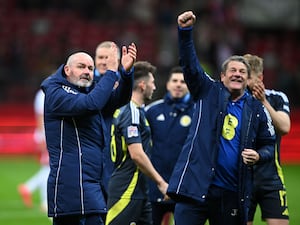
x=100 y=59
x=177 y=86
x=235 y=78
x=101 y=55
x=80 y=69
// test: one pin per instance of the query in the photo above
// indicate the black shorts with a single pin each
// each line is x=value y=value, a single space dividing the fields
x=273 y=204
x=128 y=211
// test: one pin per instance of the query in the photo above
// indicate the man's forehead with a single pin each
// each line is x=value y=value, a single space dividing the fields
x=86 y=63
x=102 y=51
x=236 y=64
x=176 y=76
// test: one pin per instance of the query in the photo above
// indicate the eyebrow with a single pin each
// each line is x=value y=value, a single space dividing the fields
x=83 y=64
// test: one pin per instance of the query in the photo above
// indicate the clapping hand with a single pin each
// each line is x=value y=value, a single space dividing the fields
x=128 y=56
x=112 y=61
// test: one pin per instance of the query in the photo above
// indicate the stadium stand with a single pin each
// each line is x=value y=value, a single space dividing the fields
x=37 y=38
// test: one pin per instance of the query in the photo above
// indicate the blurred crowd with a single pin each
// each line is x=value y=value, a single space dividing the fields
x=36 y=35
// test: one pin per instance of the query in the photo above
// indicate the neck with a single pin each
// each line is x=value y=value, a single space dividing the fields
x=236 y=96
x=137 y=98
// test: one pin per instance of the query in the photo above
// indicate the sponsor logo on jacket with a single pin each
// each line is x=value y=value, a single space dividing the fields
x=69 y=90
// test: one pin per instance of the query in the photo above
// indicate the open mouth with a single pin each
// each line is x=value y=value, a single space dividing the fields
x=237 y=80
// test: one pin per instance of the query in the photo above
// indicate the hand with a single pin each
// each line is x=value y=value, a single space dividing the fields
x=259 y=91
x=186 y=19
x=163 y=186
x=128 y=56
x=166 y=198
x=112 y=61
x=250 y=156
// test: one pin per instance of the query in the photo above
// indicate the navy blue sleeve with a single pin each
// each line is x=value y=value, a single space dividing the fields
x=122 y=94
x=278 y=100
x=197 y=80
x=265 y=137
x=65 y=100
x=129 y=127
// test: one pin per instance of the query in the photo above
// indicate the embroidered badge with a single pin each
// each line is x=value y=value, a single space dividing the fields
x=185 y=121
x=132 y=131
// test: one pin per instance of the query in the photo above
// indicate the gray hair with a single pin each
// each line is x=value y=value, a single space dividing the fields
x=108 y=44
x=237 y=58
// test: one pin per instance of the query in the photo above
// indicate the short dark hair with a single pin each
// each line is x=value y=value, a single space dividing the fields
x=175 y=69
x=142 y=70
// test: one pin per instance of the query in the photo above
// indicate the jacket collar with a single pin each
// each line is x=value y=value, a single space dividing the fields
x=59 y=77
x=179 y=104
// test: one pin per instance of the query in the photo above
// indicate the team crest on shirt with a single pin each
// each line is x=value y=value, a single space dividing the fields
x=185 y=120
x=132 y=131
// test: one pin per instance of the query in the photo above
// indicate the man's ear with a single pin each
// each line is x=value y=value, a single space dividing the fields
x=222 y=75
x=260 y=77
x=167 y=86
x=141 y=85
x=67 y=70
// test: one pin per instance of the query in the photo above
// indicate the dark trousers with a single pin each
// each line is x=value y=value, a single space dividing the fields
x=93 y=219
x=220 y=208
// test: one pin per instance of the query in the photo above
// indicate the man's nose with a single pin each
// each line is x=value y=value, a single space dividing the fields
x=87 y=70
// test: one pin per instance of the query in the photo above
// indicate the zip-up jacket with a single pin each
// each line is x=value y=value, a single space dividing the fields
x=170 y=120
x=75 y=135
x=195 y=168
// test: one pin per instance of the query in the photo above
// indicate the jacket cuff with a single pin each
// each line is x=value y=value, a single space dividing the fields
x=185 y=28
x=125 y=74
x=112 y=73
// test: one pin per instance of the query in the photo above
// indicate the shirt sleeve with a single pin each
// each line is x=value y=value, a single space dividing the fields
x=130 y=125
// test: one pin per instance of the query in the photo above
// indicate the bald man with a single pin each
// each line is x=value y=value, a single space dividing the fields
x=75 y=136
